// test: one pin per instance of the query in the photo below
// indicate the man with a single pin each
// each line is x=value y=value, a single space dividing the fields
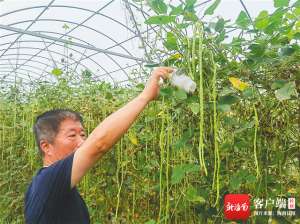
x=52 y=196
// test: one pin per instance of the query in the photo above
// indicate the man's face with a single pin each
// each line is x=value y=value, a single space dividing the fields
x=69 y=138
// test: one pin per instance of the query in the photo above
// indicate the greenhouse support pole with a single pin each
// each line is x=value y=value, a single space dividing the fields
x=17 y=30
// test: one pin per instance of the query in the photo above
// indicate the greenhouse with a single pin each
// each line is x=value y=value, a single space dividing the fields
x=181 y=111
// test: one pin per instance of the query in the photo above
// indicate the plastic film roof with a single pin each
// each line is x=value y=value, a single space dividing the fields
x=107 y=38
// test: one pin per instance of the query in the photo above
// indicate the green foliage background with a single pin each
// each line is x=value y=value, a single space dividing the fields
x=250 y=136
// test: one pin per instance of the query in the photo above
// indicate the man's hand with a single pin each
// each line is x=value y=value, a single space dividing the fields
x=151 y=90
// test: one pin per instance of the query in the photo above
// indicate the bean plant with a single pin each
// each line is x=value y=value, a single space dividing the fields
x=238 y=133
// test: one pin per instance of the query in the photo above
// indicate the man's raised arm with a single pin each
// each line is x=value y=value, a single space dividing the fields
x=108 y=132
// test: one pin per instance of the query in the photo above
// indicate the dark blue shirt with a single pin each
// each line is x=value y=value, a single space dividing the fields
x=50 y=199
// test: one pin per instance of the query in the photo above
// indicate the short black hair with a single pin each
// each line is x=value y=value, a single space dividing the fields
x=47 y=124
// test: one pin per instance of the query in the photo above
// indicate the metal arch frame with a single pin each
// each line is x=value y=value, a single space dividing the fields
x=40 y=56
x=39 y=75
x=74 y=29
x=22 y=69
x=24 y=80
x=136 y=26
x=81 y=24
x=28 y=81
x=38 y=31
x=21 y=34
x=30 y=66
x=21 y=59
x=96 y=76
x=72 y=7
x=33 y=67
x=7 y=59
x=138 y=34
x=143 y=14
x=72 y=58
x=107 y=53
x=23 y=76
x=35 y=61
x=74 y=22
x=135 y=78
x=128 y=66
x=33 y=21
x=97 y=13
x=128 y=6
x=85 y=56
x=67 y=42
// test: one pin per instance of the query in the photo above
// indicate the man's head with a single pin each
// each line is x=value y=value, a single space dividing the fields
x=58 y=133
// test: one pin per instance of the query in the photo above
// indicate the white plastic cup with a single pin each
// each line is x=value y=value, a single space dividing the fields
x=182 y=81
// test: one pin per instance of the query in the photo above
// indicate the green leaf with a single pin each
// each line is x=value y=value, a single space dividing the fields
x=277 y=16
x=228 y=99
x=176 y=10
x=65 y=26
x=193 y=196
x=158 y=6
x=178 y=174
x=190 y=6
x=221 y=36
x=195 y=107
x=243 y=20
x=297 y=3
x=226 y=91
x=262 y=20
x=190 y=16
x=191 y=168
x=183 y=25
x=220 y=25
x=151 y=221
x=257 y=50
x=171 y=43
x=160 y=20
x=224 y=107
x=251 y=179
x=180 y=94
x=56 y=72
x=186 y=136
x=286 y=91
x=249 y=93
x=277 y=84
x=152 y=65
x=281 y=3
x=230 y=121
x=235 y=182
x=244 y=126
x=225 y=102
x=296 y=36
x=275 y=22
x=210 y=10
x=286 y=51
x=87 y=74
x=168 y=91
